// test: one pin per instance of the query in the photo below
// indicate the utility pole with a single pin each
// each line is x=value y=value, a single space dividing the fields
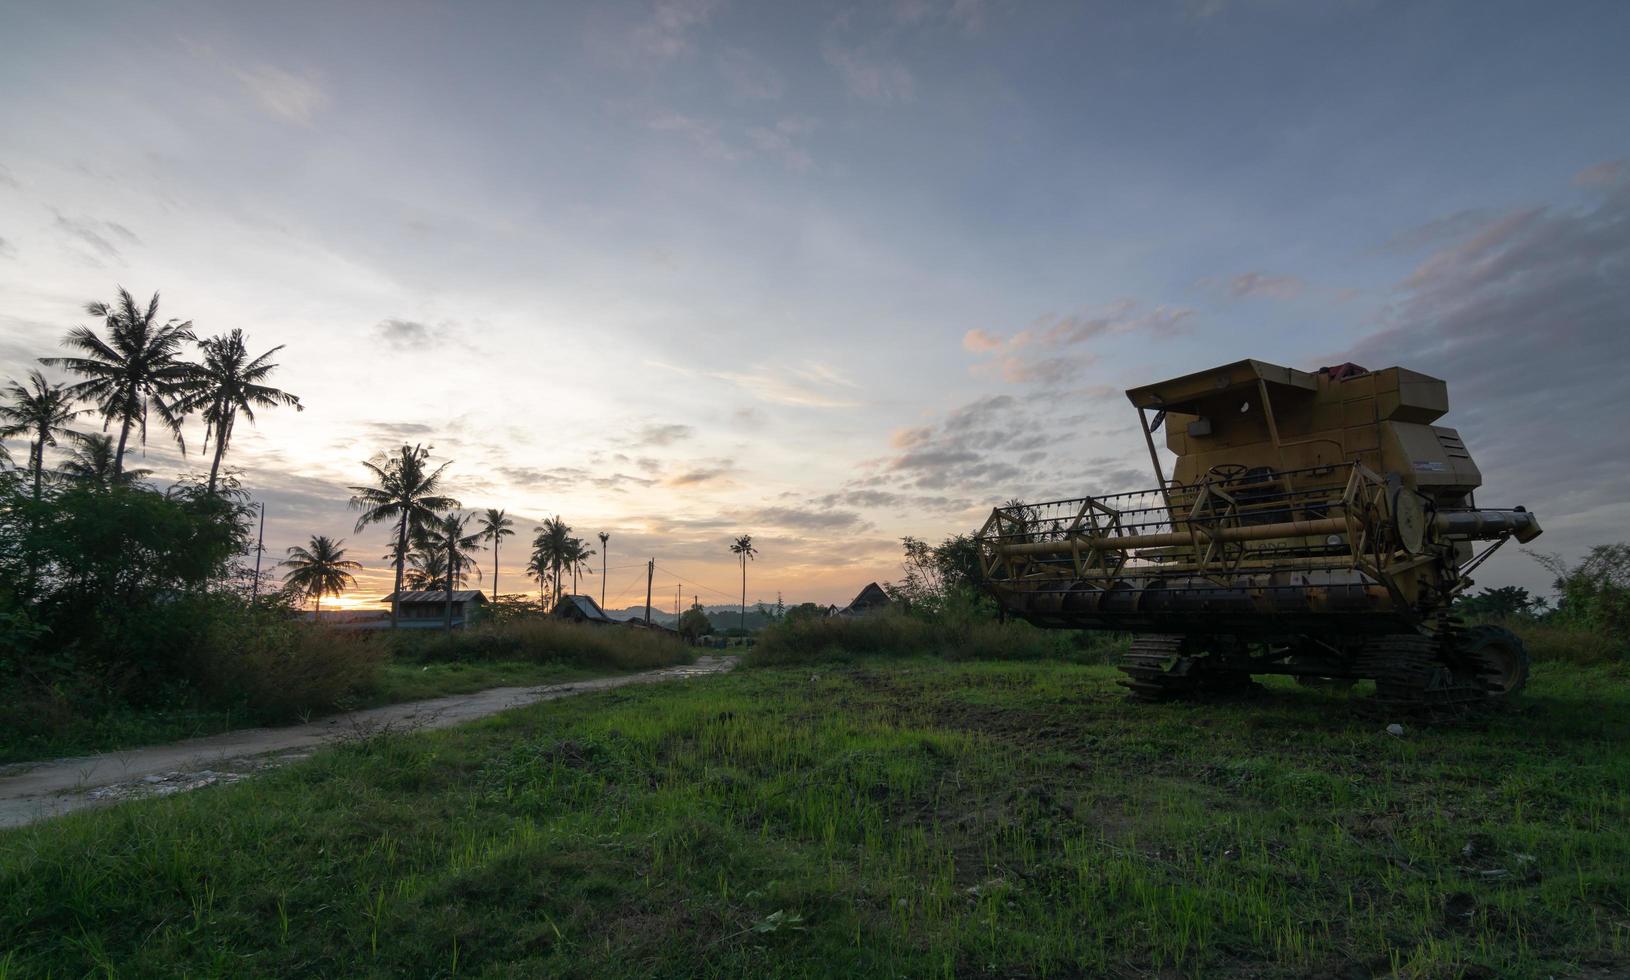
x=650 y=572
x=260 y=548
x=604 y=537
x=679 y=593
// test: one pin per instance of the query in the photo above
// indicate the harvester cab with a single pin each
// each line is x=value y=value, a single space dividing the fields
x=1314 y=524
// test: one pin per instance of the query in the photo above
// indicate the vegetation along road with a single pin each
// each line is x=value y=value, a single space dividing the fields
x=34 y=791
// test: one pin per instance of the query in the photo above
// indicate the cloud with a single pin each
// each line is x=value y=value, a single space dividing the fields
x=708 y=472
x=1441 y=230
x=1033 y=355
x=702 y=133
x=809 y=386
x=409 y=334
x=565 y=478
x=662 y=435
x=7 y=249
x=870 y=74
x=784 y=140
x=1608 y=173
x=805 y=520
x=1525 y=317
x=99 y=235
x=666 y=34
x=1261 y=284
x=748 y=77
x=285 y=95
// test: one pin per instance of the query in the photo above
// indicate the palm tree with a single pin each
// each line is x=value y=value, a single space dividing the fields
x=550 y=548
x=744 y=551
x=40 y=411
x=461 y=546
x=495 y=527
x=405 y=493
x=604 y=549
x=427 y=566
x=229 y=382
x=537 y=567
x=137 y=368
x=319 y=569
x=91 y=461
x=577 y=559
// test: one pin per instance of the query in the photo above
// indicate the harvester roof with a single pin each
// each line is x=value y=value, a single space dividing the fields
x=1183 y=394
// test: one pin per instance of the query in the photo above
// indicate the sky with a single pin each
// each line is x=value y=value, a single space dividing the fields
x=827 y=273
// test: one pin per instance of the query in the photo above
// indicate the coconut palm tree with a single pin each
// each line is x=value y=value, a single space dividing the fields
x=537 y=567
x=41 y=411
x=551 y=546
x=495 y=527
x=604 y=549
x=407 y=493
x=460 y=546
x=91 y=461
x=427 y=566
x=137 y=369
x=577 y=559
x=319 y=569
x=227 y=383
x=744 y=551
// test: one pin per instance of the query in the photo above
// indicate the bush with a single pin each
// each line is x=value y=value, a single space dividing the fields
x=1566 y=643
x=286 y=670
x=544 y=640
x=895 y=633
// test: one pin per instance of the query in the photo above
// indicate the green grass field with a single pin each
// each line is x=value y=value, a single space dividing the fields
x=913 y=818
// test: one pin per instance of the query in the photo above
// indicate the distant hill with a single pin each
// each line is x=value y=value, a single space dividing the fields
x=722 y=617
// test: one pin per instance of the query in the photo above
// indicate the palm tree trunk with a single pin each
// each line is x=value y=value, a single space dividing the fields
x=744 y=593
x=495 y=568
x=39 y=465
x=318 y=616
x=452 y=558
x=401 y=557
x=220 y=450
x=119 y=458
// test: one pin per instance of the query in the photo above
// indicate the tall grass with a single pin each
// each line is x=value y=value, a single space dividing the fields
x=541 y=640
x=894 y=633
x=1568 y=643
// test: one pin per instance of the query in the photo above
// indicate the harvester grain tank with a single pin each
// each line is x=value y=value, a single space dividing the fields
x=1315 y=524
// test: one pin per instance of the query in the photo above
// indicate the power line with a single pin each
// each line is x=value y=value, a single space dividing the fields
x=727 y=595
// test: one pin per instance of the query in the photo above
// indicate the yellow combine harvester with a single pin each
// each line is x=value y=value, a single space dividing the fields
x=1317 y=525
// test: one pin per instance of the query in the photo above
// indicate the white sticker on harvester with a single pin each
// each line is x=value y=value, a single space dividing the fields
x=1430 y=465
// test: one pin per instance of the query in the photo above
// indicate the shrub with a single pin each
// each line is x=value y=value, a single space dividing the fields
x=544 y=640
x=284 y=671
x=894 y=633
x=1566 y=643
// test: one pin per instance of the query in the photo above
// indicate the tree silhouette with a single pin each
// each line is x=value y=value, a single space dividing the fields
x=550 y=549
x=227 y=383
x=577 y=559
x=319 y=569
x=91 y=461
x=41 y=411
x=137 y=369
x=495 y=527
x=461 y=545
x=744 y=551
x=406 y=493
x=604 y=550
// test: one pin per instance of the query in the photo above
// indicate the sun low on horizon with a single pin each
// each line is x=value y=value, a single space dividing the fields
x=830 y=275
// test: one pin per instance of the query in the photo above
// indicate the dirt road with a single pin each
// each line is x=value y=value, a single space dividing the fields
x=33 y=791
